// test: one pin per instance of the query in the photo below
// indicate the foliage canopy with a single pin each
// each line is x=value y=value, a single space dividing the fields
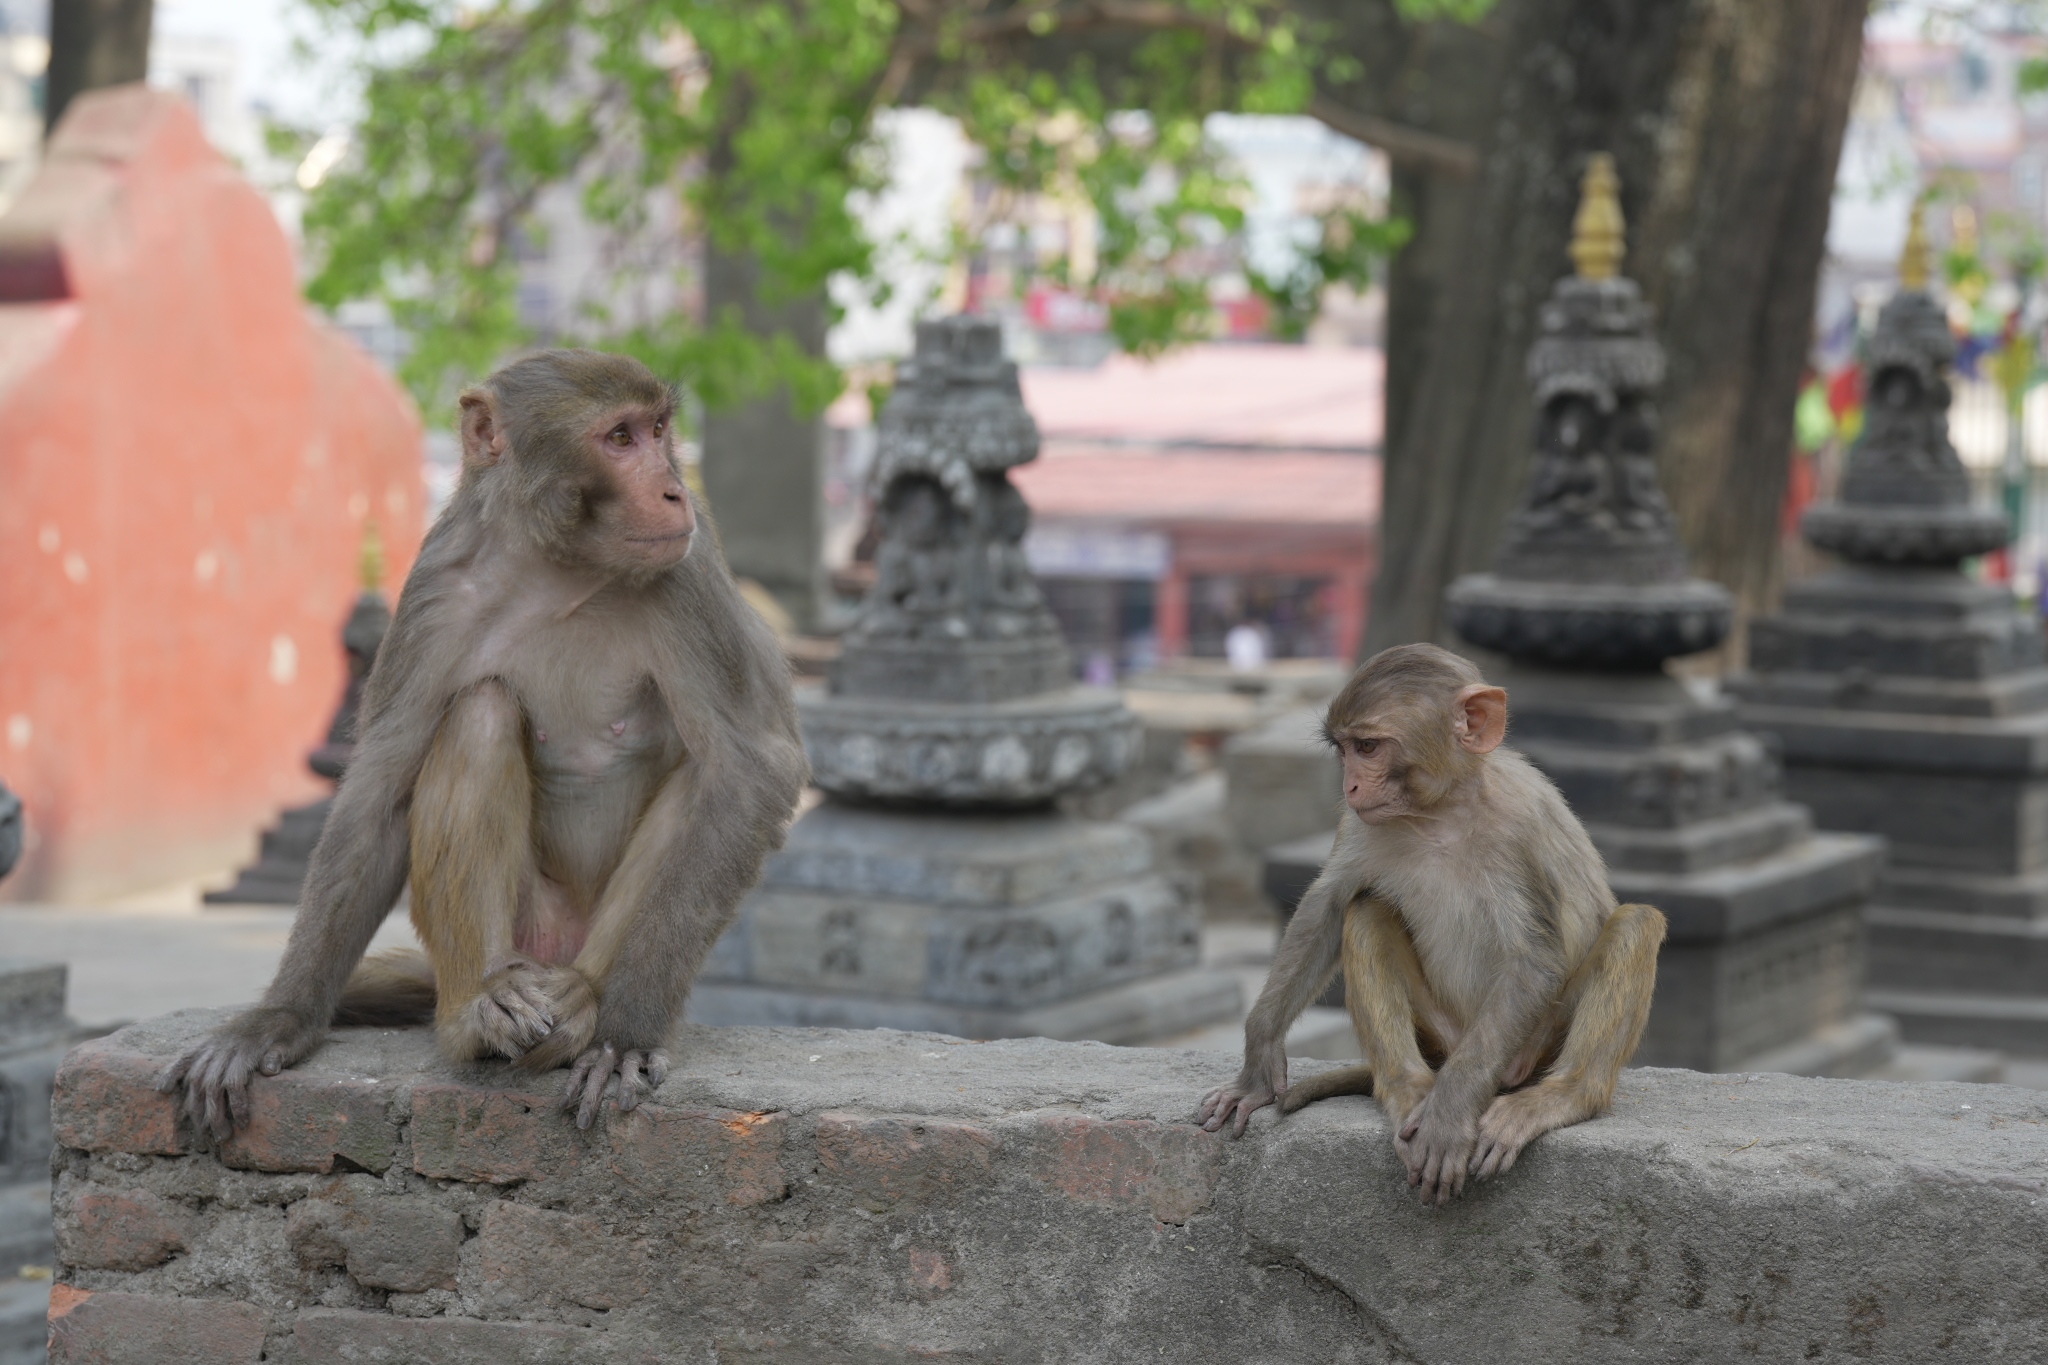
x=752 y=126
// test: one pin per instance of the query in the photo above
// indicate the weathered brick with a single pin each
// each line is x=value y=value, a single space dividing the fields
x=1168 y=1170
x=105 y=1102
x=762 y=1348
x=101 y=1229
x=885 y=1161
x=114 y=1328
x=463 y=1132
x=528 y=1256
x=930 y=1272
x=706 y=1155
x=332 y=1336
x=408 y=1243
x=301 y=1121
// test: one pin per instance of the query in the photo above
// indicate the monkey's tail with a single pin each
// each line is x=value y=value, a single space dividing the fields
x=393 y=987
x=1346 y=1080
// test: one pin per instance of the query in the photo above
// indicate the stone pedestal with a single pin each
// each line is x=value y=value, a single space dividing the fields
x=936 y=887
x=983 y=926
x=1912 y=702
x=1762 y=966
x=34 y=1035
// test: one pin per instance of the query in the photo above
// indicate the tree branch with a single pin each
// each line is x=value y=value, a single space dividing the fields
x=1397 y=140
x=1029 y=21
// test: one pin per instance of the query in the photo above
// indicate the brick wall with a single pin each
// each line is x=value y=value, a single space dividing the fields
x=824 y=1195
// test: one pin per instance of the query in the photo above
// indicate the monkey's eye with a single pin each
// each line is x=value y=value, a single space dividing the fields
x=1364 y=747
x=621 y=435
x=659 y=426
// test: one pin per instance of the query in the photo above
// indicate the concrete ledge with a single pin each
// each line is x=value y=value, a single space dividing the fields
x=821 y=1195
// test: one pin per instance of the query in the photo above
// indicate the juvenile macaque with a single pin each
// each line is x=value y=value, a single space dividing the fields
x=1495 y=986
x=578 y=745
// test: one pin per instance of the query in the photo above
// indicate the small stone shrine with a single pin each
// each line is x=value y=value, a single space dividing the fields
x=279 y=873
x=936 y=887
x=1912 y=702
x=1762 y=969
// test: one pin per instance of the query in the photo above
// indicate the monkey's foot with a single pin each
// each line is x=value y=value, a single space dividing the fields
x=1436 y=1145
x=1509 y=1124
x=1401 y=1096
x=640 y=1072
x=215 y=1075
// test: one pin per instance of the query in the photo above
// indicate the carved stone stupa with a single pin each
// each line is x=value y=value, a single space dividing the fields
x=1912 y=701
x=1762 y=969
x=279 y=873
x=935 y=887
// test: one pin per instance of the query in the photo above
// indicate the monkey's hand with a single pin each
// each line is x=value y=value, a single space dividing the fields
x=215 y=1075
x=1436 y=1144
x=572 y=1012
x=640 y=1072
x=515 y=1008
x=1258 y=1085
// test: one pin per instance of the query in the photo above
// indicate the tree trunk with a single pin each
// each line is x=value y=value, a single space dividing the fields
x=763 y=464
x=93 y=43
x=1726 y=120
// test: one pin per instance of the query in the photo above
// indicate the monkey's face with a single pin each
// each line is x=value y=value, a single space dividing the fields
x=641 y=515
x=1375 y=775
x=1414 y=754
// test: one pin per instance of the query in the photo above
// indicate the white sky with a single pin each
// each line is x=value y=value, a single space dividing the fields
x=315 y=95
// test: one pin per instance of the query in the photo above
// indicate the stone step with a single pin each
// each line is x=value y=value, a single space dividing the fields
x=1919 y=1062
x=1154 y=1007
x=1319 y=1035
x=2017 y=1024
x=31 y=1000
x=24 y=1314
x=1859 y=1046
x=1930 y=950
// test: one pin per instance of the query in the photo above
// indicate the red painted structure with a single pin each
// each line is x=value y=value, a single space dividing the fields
x=188 y=461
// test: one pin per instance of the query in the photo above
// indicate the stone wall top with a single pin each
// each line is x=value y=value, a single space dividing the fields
x=819 y=1194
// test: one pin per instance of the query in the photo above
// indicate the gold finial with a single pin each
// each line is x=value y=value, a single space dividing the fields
x=1913 y=259
x=1597 y=246
x=370 y=559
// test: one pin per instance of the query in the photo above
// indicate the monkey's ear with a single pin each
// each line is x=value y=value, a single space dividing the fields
x=1479 y=717
x=482 y=442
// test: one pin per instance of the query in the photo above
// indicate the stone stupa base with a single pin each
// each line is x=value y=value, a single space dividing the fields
x=980 y=925
x=1913 y=703
x=1762 y=967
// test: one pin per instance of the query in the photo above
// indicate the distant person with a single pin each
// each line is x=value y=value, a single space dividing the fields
x=1099 y=670
x=1245 y=647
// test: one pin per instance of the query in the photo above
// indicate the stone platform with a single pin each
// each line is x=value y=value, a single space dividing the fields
x=977 y=924
x=1912 y=702
x=35 y=1032
x=796 y=1195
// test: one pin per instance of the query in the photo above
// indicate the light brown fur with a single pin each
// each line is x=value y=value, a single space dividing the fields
x=578 y=744
x=1471 y=917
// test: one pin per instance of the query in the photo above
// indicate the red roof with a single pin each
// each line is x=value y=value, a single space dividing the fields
x=1238 y=394
x=1271 y=487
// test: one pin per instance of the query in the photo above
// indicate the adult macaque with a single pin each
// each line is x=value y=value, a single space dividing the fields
x=1496 y=988
x=578 y=745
